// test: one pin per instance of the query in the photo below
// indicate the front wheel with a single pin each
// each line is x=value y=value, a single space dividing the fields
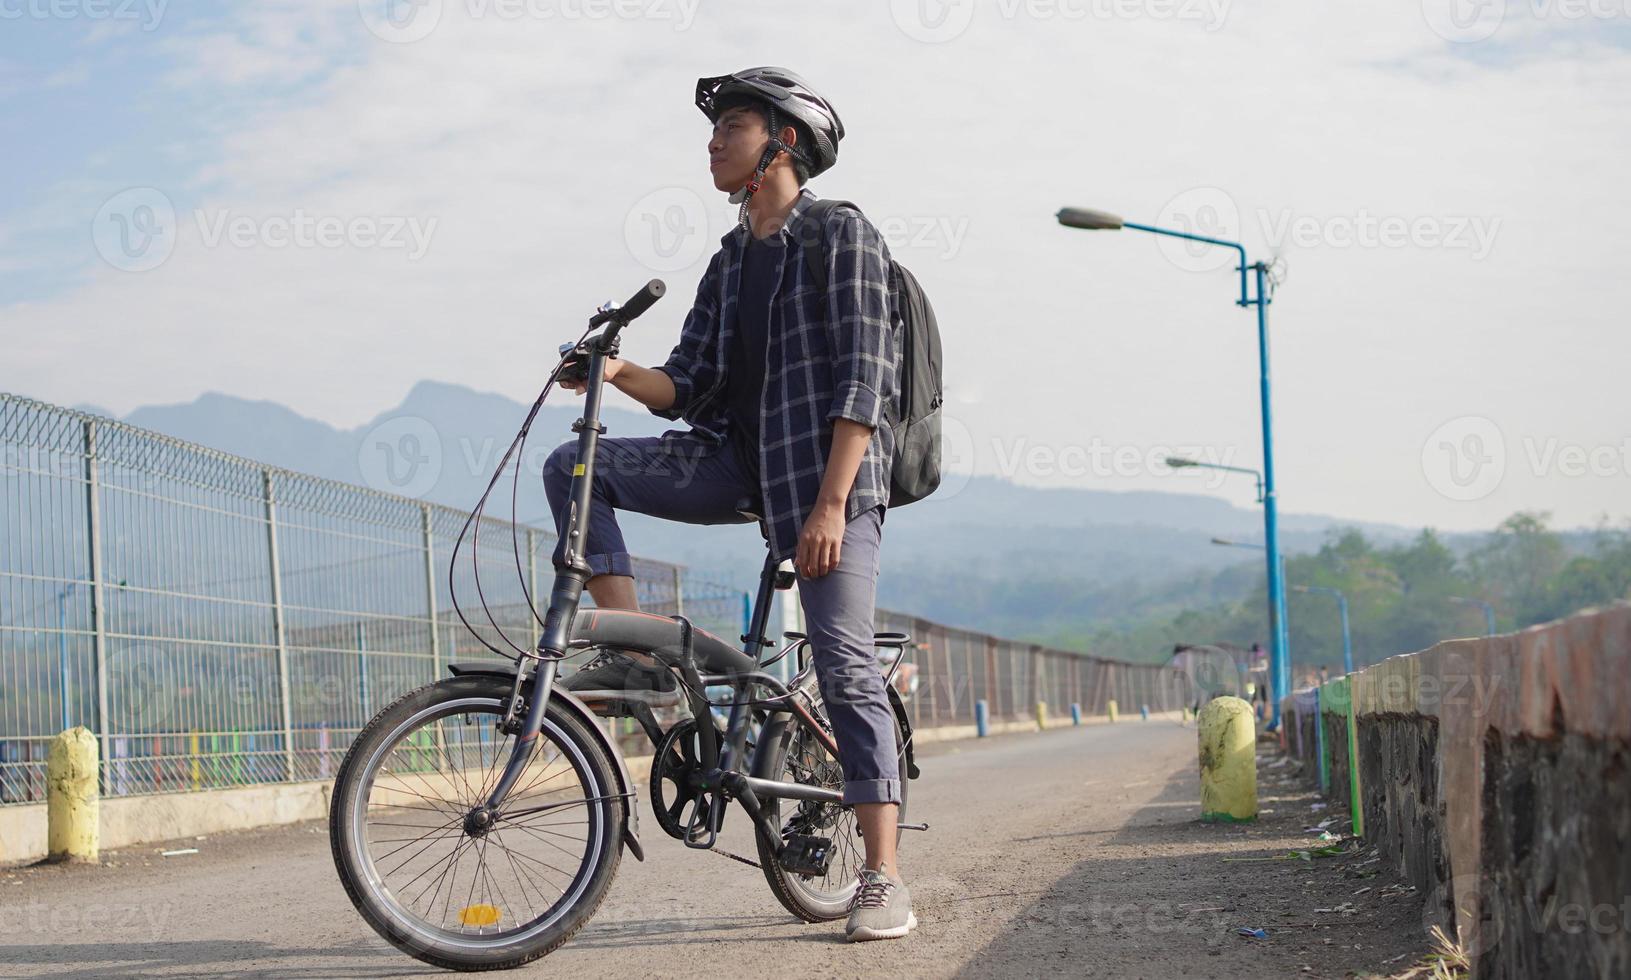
x=437 y=875
x=799 y=757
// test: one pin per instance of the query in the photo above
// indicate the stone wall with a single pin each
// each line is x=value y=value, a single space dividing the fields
x=1494 y=773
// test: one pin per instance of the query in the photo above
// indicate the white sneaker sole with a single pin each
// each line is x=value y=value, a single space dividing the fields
x=610 y=699
x=865 y=934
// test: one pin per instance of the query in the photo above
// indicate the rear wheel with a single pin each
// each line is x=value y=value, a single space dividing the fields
x=437 y=875
x=801 y=758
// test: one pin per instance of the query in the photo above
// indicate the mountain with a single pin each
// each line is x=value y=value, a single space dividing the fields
x=984 y=553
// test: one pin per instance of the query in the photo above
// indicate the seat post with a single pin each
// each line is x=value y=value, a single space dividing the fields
x=754 y=640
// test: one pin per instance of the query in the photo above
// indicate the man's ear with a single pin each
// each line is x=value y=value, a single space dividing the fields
x=790 y=136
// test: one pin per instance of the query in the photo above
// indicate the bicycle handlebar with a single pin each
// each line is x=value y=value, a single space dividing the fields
x=641 y=301
x=620 y=317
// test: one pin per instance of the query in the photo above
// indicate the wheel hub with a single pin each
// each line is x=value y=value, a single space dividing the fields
x=479 y=821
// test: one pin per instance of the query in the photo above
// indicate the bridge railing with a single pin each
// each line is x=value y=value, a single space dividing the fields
x=220 y=622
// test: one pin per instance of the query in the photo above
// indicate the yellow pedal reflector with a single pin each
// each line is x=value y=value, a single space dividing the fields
x=479 y=915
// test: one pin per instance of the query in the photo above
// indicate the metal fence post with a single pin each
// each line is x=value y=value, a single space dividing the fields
x=99 y=618
x=993 y=693
x=532 y=587
x=430 y=593
x=930 y=671
x=277 y=622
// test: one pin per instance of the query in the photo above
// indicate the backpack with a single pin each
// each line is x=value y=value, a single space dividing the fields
x=915 y=418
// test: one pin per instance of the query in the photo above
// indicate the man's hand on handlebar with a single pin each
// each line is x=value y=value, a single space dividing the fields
x=579 y=385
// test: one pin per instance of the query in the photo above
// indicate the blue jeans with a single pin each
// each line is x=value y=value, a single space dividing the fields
x=634 y=474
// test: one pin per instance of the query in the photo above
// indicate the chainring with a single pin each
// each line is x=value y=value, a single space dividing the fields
x=674 y=771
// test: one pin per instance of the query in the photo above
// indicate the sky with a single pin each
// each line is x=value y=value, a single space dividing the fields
x=320 y=204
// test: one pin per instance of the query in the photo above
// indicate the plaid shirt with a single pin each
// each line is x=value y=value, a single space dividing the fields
x=828 y=356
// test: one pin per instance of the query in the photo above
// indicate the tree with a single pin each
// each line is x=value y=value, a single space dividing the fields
x=1516 y=566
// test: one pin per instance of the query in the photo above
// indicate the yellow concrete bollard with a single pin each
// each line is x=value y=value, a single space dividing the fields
x=1042 y=715
x=1228 y=737
x=73 y=802
x=1111 y=706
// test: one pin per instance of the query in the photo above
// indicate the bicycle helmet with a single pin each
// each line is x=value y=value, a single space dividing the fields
x=782 y=94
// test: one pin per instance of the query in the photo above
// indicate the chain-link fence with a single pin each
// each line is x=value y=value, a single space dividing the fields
x=218 y=622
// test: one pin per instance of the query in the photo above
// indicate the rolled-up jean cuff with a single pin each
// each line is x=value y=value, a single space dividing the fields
x=616 y=563
x=872 y=791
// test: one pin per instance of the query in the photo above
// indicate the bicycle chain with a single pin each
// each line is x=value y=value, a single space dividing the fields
x=735 y=857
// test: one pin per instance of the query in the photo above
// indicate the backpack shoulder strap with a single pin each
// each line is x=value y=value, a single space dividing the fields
x=815 y=259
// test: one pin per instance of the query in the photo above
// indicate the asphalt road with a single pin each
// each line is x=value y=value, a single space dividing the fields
x=1074 y=852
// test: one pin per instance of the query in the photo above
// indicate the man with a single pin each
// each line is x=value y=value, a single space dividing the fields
x=784 y=385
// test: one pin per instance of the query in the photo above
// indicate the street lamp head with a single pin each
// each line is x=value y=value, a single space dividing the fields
x=1178 y=462
x=1223 y=541
x=1088 y=219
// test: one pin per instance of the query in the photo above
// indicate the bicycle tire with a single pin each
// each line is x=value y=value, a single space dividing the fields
x=797 y=894
x=360 y=776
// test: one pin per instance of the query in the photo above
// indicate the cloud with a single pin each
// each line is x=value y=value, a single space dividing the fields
x=527 y=139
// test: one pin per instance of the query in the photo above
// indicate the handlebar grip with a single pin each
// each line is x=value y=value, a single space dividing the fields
x=640 y=302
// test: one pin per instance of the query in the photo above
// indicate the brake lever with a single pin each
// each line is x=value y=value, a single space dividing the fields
x=574 y=365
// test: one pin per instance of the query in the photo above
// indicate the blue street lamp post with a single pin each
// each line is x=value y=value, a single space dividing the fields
x=1285 y=620
x=1280 y=662
x=1180 y=463
x=1342 y=609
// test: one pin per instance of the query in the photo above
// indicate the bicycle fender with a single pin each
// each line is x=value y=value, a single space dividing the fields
x=906 y=727
x=631 y=812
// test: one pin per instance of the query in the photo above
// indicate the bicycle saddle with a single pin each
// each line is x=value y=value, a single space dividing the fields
x=752 y=508
x=749 y=507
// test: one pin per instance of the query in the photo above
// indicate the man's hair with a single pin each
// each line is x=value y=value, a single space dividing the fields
x=759 y=108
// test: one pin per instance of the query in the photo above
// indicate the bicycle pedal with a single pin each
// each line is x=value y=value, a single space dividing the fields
x=698 y=834
x=806 y=855
x=911 y=826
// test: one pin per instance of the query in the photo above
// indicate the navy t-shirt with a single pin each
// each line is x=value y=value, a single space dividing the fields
x=745 y=370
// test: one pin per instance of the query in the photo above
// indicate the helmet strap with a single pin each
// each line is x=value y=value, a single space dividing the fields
x=745 y=195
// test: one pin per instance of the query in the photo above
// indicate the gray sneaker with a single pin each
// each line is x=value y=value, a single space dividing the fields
x=881 y=909
x=618 y=680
